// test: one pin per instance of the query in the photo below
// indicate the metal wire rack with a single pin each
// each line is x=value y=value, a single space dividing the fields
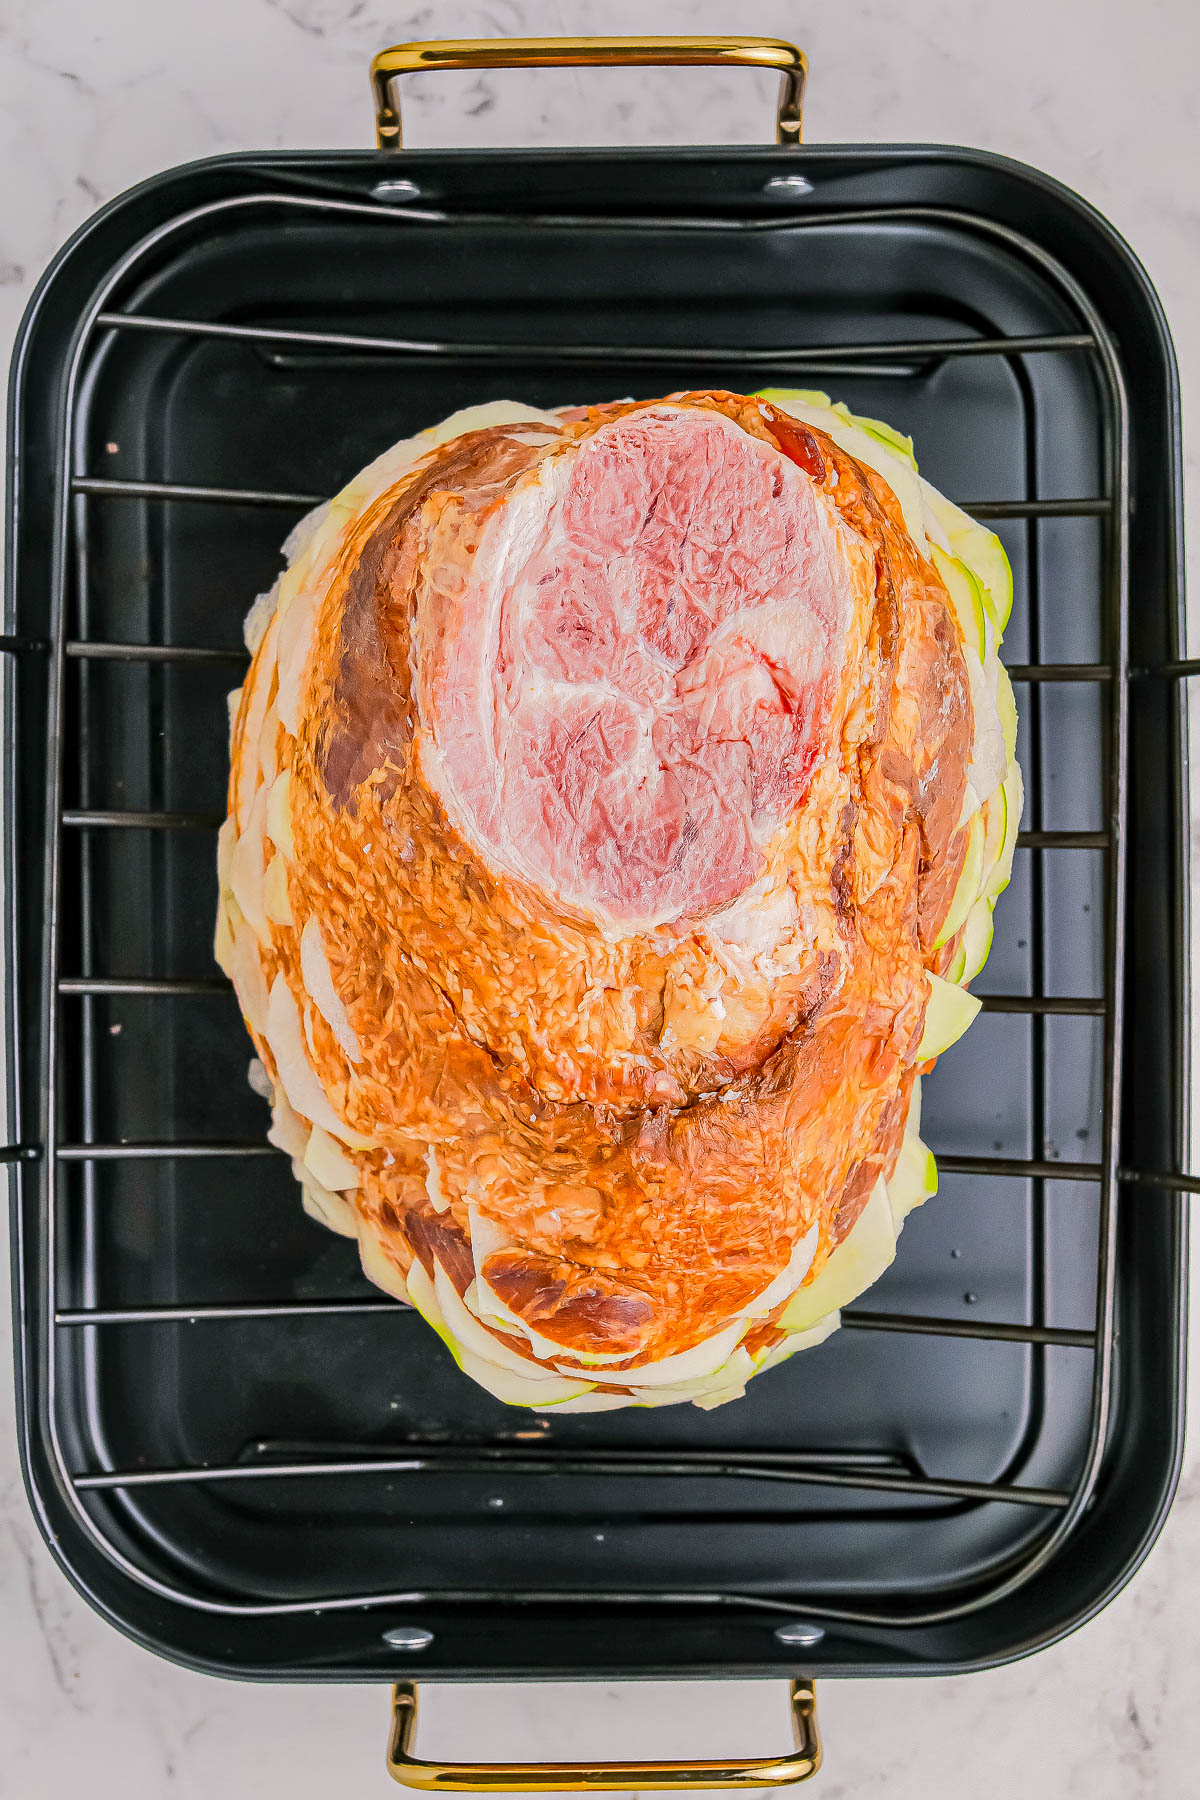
x=70 y=989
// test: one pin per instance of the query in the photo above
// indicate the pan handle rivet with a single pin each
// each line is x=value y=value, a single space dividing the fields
x=408 y=1637
x=787 y=187
x=799 y=1632
x=396 y=192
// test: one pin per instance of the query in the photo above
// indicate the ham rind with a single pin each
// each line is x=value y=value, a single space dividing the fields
x=636 y=666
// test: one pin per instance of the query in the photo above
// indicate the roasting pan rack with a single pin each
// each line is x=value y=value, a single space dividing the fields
x=73 y=1144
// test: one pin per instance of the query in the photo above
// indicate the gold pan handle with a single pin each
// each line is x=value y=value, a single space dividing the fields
x=615 y=1777
x=588 y=53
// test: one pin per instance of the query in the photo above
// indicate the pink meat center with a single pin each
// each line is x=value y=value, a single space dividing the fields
x=634 y=692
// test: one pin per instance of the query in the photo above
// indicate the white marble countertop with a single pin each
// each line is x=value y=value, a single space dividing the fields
x=1102 y=95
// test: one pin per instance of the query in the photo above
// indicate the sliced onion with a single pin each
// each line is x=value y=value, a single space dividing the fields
x=226 y=840
x=723 y=1395
x=685 y=1365
x=727 y=1382
x=486 y=1238
x=989 y=757
x=913 y=1121
x=468 y=1332
x=276 y=904
x=597 y=1402
x=433 y=1182
x=279 y=815
x=259 y=617
x=303 y=1090
x=245 y=970
x=247 y=865
x=377 y=1264
x=258 y=1080
x=223 y=939
x=787 y=1280
x=304 y=532
x=267 y=746
x=328 y=1163
x=799 y=1340
x=858 y=1261
x=506 y=1384
x=325 y=1207
x=296 y=628
x=314 y=967
x=248 y=768
x=287 y=1132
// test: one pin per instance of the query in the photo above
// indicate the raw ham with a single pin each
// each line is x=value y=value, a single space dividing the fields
x=610 y=767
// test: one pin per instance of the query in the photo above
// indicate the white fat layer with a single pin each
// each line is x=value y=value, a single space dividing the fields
x=762 y=917
x=506 y=544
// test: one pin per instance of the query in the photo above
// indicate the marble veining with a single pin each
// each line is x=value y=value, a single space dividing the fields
x=1102 y=95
